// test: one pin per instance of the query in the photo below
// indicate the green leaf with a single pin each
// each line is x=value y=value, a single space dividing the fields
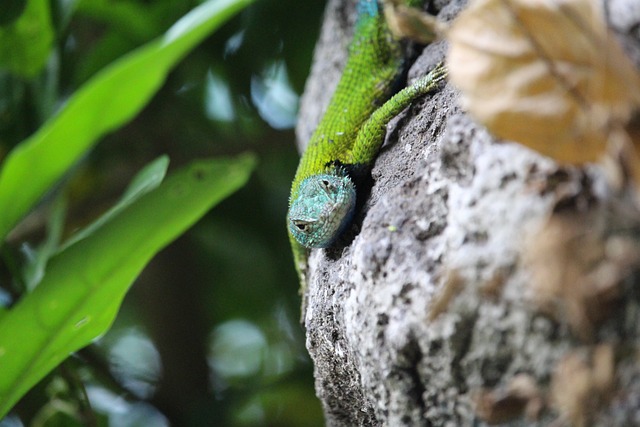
x=107 y=101
x=84 y=285
x=34 y=269
x=146 y=180
x=25 y=43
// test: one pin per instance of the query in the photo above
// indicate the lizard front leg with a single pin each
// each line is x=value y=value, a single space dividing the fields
x=371 y=136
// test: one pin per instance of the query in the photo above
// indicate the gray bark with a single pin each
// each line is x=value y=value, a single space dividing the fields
x=425 y=314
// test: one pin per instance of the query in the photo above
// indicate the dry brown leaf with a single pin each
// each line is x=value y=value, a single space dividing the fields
x=453 y=283
x=411 y=23
x=545 y=73
x=520 y=397
x=579 y=386
x=579 y=262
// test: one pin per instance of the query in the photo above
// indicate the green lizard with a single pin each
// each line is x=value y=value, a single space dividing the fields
x=348 y=138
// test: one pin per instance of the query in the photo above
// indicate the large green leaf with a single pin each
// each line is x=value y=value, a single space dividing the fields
x=84 y=284
x=104 y=103
x=146 y=180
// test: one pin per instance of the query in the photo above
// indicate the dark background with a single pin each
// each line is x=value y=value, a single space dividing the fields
x=209 y=334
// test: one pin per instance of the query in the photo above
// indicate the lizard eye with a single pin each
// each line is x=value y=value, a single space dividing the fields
x=326 y=184
x=301 y=225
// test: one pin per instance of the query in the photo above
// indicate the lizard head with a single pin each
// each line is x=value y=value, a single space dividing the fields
x=322 y=209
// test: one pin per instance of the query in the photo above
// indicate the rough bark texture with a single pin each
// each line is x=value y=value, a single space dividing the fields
x=426 y=313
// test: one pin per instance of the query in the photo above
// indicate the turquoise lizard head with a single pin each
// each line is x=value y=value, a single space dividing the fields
x=322 y=208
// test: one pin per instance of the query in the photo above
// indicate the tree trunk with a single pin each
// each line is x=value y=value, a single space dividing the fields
x=478 y=283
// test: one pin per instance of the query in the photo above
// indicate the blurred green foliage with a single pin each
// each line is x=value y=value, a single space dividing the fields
x=208 y=334
x=26 y=36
